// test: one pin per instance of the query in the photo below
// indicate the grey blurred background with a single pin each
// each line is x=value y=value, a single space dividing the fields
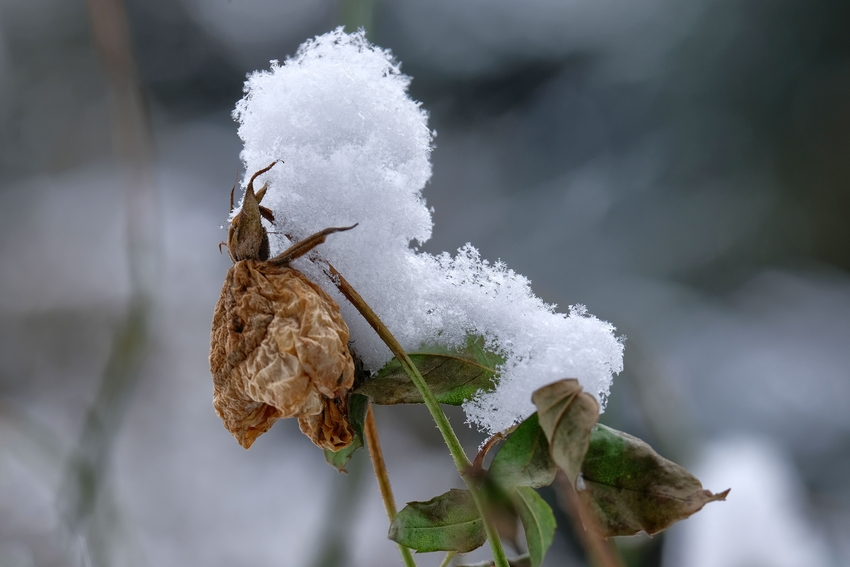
x=681 y=168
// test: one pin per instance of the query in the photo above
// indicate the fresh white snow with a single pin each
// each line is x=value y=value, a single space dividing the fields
x=356 y=149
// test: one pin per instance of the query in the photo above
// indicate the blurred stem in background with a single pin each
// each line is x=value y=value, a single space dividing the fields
x=355 y=14
x=599 y=552
x=334 y=539
x=661 y=405
x=84 y=481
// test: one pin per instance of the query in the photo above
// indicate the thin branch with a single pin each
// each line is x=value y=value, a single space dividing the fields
x=133 y=143
x=600 y=551
x=460 y=458
x=458 y=455
x=482 y=452
x=374 y=445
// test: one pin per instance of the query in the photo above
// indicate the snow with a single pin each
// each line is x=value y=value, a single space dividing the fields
x=764 y=520
x=356 y=149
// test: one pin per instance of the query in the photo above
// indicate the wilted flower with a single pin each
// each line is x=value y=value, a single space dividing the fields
x=279 y=345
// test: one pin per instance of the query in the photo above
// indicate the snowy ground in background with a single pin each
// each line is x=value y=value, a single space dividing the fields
x=187 y=493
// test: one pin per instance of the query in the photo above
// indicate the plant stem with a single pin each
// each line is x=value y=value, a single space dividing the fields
x=601 y=552
x=89 y=512
x=449 y=556
x=482 y=452
x=499 y=557
x=461 y=460
x=374 y=445
x=332 y=544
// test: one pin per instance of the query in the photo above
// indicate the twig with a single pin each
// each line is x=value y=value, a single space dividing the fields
x=601 y=552
x=461 y=460
x=482 y=452
x=374 y=445
x=83 y=482
x=333 y=542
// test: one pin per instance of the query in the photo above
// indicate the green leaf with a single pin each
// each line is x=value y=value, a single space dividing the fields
x=566 y=415
x=449 y=522
x=523 y=460
x=630 y=487
x=357 y=406
x=538 y=522
x=453 y=375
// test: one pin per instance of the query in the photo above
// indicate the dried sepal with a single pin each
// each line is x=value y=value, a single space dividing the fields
x=247 y=238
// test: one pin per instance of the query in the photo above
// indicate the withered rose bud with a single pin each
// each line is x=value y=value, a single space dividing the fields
x=279 y=345
x=279 y=349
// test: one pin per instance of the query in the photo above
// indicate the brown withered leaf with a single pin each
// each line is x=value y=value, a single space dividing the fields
x=631 y=488
x=279 y=349
x=566 y=414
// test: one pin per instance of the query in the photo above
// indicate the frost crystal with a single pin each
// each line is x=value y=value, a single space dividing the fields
x=356 y=149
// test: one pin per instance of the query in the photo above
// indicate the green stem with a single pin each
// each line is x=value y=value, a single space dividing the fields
x=449 y=556
x=458 y=455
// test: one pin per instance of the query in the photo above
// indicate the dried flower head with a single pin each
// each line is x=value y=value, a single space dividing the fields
x=279 y=345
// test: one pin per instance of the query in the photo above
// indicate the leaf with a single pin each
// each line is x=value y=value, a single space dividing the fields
x=523 y=460
x=630 y=487
x=566 y=415
x=453 y=375
x=449 y=522
x=538 y=522
x=357 y=406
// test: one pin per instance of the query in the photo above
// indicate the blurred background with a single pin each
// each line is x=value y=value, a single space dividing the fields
x=681 y=168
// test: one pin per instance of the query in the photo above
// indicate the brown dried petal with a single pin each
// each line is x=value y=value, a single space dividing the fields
x=328 y=429
x=279 y=349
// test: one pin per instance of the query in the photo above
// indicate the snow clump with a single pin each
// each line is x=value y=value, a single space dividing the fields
x=356 y=149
